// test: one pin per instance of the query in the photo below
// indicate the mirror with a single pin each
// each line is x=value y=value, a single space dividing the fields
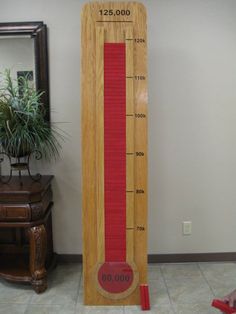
x=23 y=50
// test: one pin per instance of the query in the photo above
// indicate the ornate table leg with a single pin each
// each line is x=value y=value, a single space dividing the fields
x=38 y=248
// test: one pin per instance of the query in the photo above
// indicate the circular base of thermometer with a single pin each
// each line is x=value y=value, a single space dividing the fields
x=116 y=280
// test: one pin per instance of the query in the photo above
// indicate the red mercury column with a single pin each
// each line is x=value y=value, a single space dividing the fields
x=115 y=275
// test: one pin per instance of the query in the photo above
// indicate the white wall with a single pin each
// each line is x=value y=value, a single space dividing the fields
x=192 y=121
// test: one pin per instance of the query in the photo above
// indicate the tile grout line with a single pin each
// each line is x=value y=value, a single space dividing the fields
x=26 y=309
x=203 y=275
x=163 y=277
x=29 y=302
x=78 y=288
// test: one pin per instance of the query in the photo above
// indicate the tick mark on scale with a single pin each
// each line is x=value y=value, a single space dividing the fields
x=114 y=21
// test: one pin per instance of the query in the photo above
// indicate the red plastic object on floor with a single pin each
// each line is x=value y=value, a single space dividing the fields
x=224 y=307
x=144 y=296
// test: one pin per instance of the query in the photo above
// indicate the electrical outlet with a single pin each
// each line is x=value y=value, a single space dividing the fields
x=187 y=227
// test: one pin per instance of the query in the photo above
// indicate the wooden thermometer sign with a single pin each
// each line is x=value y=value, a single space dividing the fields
x=114 y=152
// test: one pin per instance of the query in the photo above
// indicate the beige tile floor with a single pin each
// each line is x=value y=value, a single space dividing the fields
x=174 y=289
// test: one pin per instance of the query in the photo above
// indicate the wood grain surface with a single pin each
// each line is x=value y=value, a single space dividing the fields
x=113 y=22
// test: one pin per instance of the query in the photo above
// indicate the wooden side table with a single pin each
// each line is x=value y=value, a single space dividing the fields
x=26 y=246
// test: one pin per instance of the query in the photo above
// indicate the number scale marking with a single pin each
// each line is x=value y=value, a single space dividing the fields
x=114 y=213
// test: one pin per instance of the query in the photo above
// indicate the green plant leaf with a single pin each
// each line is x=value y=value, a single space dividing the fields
x=23 y=128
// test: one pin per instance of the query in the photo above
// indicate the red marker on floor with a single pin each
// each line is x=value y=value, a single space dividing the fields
x=224 y=307
x=144 y=296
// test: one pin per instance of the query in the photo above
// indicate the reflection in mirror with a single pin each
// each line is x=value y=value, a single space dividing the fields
x=23 y=49
x=17 y=54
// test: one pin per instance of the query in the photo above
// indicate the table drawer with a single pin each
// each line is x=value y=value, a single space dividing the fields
x=14 y=213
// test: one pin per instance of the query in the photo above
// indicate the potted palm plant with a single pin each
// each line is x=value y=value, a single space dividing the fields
x=23 y=128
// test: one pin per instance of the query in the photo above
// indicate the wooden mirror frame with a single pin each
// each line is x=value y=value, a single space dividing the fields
x=37 y=31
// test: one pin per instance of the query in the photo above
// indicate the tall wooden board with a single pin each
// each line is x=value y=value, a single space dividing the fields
x=114 y=179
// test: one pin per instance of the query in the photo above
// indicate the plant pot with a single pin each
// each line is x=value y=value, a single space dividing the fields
x=24 y=151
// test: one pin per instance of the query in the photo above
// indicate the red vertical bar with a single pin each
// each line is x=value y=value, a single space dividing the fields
x=147 y=299
x=144 y=297
x=115 y=151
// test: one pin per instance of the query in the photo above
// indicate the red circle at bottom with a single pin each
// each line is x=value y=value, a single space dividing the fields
x=115 y=277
